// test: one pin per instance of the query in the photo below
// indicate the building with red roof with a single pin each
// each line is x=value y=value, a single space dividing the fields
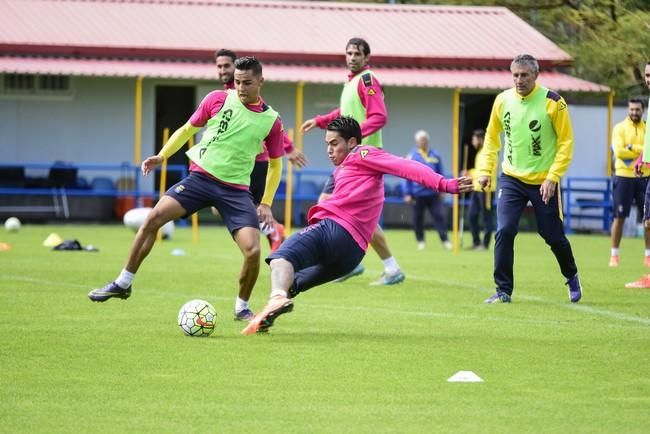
x=72 y=70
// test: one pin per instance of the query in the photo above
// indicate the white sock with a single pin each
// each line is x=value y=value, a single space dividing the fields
x=390 y=265
x=615 y=251
x=240 y=304
x=278 y=292
x=647 y=252
x=125 y=279
x=266 y=229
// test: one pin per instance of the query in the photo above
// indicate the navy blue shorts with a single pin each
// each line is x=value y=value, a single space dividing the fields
x=319 y=253
x=328 y=188
x=627 y=191
x=258 y=181
x=646 y=204
x=199 y=191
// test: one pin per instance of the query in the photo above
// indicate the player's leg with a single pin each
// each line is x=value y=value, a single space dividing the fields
x=418 y=221
x=640 y=186
x=240 y=216
x=488 y=218
x=551 y=227
x=512 y=201
x=474 y=212
x=173 y=205
x=644 y=281
x=437 y=211
x=392 y=272
x=622 y=196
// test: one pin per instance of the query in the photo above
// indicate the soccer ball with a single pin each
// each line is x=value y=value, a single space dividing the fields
x=135 y=218
x=12 y=224
x=197 y=318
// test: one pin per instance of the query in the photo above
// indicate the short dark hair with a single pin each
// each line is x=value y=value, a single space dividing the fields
x=249 y=63
x=361 y=44
x=480 y=133
x=346 y=127
x=225 y=52
x=636 y=100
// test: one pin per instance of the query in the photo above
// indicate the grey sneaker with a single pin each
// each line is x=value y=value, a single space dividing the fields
x=575 y=289
x=244 y=315
x=498 y=297
x=390 y=279
x=109 y=291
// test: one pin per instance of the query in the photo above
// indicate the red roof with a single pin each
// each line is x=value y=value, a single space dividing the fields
x=452 y=36
x=408 y=77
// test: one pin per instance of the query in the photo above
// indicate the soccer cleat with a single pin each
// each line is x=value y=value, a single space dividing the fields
x=614 y=261
x=390 y=279
x=646 y=261
x=575 y=290
x=109 y=291
x=498 y=297
x=276 y=306
x=447 y=245
x=244 y=315
x=642 y=283
x=276 y=238
x=421 y=245
x=357 y=270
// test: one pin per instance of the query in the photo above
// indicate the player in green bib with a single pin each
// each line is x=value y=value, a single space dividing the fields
x=644 y=160
x=362 y=99
x=537 y=152
x=236 y=123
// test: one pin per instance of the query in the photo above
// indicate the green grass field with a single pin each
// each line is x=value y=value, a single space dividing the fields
x=351 y=358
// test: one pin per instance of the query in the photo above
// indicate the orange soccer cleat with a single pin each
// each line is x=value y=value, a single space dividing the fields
x=264 y=320
x=642 y=283
x=613 y=261
x=276 y=238
x=646 y=261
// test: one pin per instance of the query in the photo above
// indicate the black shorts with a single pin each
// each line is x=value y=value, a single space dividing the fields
x=199 y=191
x=627 y=191
x=646 y=204
x=258 y=181
x=328 y=188
x=319 y=253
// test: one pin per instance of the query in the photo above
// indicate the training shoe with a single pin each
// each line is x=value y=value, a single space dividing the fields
x=447 y=245
x=277 y=237
x=109 y=291
x=498 y=297
x=390 y=279
x=646 y=261
x=642 y=283
x=357 y=270
x=421 y=245
x=264 y=320
x=614 y=261
x=575 y=290
x=244 y=315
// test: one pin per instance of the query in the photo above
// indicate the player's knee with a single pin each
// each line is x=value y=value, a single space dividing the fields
x=252 y=251
x=280 y=264
x=154 y=221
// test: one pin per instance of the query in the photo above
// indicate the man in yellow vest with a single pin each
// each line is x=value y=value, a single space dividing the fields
x=627 y=143
x=363 y=100
x=537 y=153
x=643 y=162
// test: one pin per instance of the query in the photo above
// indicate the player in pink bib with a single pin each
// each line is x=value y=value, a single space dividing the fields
x=341 y=227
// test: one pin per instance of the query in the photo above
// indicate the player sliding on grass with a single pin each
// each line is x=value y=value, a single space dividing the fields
x=342 y=225
x=238 y=121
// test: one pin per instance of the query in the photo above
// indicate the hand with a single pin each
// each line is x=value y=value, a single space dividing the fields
x=150 y=164
x=308 y=125
x=547 y=190
x=264 y=214
x=484 y=182
x=408 y=198
x=638 y=166
x=464 y=172
x=465 y=185
x=298 y=158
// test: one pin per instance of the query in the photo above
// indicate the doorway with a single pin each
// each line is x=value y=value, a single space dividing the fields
x=174 y=106
x=475 y=114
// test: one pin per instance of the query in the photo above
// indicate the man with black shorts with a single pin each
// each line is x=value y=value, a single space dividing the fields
x=627 y=143
x=225 y=62
x=362 y=98
x=237 y=123
x=341 y=226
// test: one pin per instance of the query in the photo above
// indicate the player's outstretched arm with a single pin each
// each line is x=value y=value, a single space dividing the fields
x=151 y=163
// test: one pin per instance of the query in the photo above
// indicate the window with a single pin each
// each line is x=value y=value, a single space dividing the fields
x=36 y=85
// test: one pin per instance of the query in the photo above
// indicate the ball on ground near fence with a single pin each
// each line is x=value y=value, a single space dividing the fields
x=12 y=224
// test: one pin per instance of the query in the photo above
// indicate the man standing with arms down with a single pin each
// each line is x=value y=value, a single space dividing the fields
x=363 y=100
x=627 y=143
x=237 y=123
x=538 y=150
x=644 y=161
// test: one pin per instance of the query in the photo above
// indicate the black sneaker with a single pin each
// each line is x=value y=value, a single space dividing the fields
x=109 y=291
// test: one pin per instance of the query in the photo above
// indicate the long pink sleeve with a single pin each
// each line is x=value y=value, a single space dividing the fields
x=372 y=98
x=323 y=120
